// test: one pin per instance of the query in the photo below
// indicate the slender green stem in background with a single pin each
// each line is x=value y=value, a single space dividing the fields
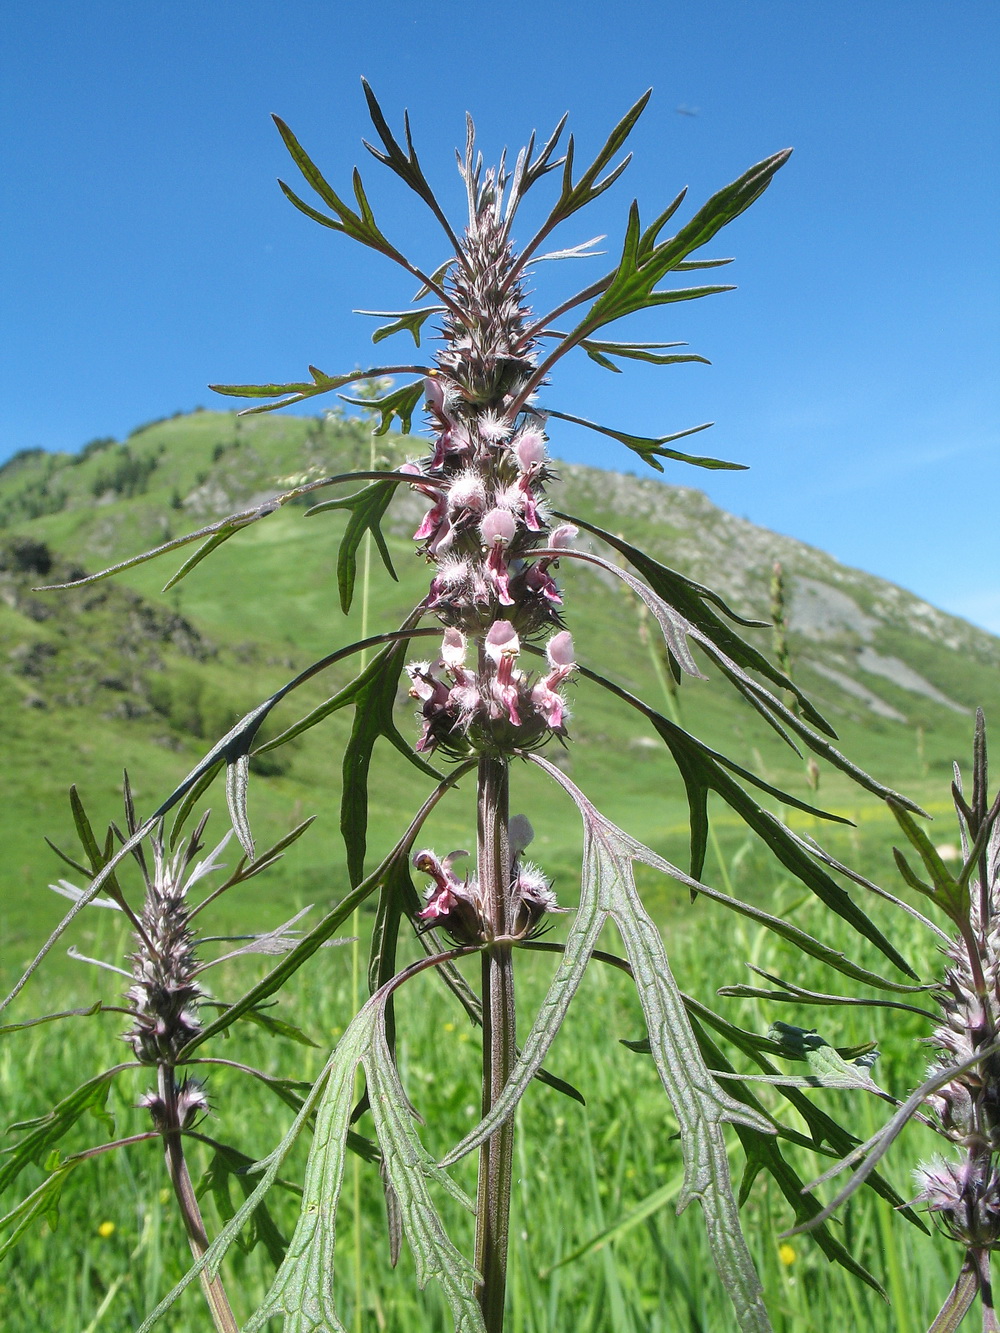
x=499 y=1038
x=180 y=1178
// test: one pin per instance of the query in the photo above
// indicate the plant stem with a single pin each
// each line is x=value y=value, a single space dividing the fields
x=358 y=1254
x=180 y=1178
x=499 y=1039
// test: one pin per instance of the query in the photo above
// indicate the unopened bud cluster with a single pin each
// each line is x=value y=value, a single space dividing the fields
x=485 y=481
x=164 y=994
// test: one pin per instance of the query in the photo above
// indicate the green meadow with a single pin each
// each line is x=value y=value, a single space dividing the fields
x=122 y=675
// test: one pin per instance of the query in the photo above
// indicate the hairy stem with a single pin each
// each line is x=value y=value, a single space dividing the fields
x=180 y=1178
x=499 y=1039
x=358 y=1256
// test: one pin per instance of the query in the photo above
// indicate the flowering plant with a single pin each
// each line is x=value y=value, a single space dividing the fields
x=494 y=543
x=960 y=1098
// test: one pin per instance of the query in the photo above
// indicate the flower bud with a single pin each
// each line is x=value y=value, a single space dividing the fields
x=563 y=536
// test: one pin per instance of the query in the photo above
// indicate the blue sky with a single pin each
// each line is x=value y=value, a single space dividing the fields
x=146 y=249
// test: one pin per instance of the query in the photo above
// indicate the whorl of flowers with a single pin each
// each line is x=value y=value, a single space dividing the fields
x=458 y=906
x=487 y=531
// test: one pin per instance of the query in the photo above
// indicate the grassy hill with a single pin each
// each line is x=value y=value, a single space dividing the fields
x=122 y=675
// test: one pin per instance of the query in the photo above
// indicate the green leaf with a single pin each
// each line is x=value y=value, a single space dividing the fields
x=602 y=352
x=42 y=1204
x=269 y=1169
x=699 y=765
x=373 y=696
x=293 y=1293
x=645 y=260
x=204 y=550
x=303 y=1289
x=651 y=449
x=237 y=782
x=194 y=794
x=683 y=593
x=790 y=993
x=959 y=1300
x=785 y=929
x=824 y=1060
x=946 y=891
x=410 y=320
x=96 y=855
x=914 y=881
x=228 y=1165
x=366 y=509
x=405 y=165
x=573 y=197
x=301 y=390
x=689 y=265
x=827 y=1135
x=400 y=403
x=359 y=226
x=95 y=1008
x=224 y=528
x=277 y=1027
x=45 y=1131
x=681 y=610
x=327 y=926
x=763 y=1153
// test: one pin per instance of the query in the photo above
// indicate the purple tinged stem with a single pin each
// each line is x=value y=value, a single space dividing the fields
x=499 y=1039
x=180 y=1178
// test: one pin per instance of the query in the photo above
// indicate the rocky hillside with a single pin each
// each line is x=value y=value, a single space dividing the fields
x=119 y=673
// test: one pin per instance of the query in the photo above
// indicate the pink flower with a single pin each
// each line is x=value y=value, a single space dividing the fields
x=493 y=427
x=529 y=449
x=501 y=639
x=436 y=397
x=451 y=903
x=453 y=649
x=498 y=528
x=538 y=580
x=545 y=696
x=530 y=504
x=436 y=524
x=559 y=650
x=499 y=575
x=502 y=646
